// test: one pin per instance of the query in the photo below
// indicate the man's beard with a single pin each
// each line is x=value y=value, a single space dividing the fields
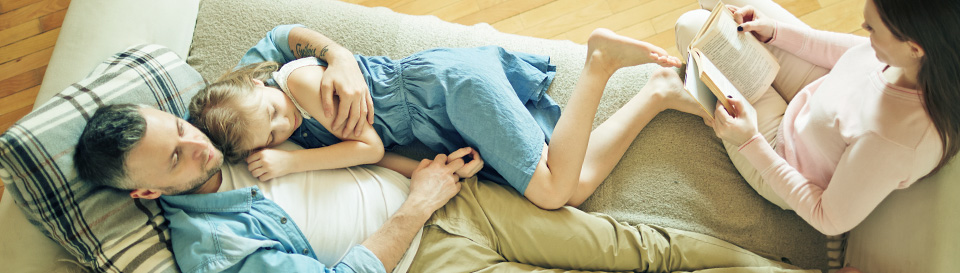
x=199 y=183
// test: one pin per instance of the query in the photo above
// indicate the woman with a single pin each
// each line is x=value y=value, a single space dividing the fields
x=849 y=119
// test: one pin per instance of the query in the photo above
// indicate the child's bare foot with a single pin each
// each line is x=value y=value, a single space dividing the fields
x=610 y=51
x=665 y=87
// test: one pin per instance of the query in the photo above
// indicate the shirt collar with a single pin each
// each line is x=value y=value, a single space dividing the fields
x=239 y=200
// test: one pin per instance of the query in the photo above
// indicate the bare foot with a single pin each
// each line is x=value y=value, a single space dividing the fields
x=611 y=51
x=665 y=87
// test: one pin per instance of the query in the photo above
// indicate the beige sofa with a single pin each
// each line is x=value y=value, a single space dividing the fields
x=676 y=174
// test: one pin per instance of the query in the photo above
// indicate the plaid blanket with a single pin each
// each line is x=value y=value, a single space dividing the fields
x=104 y=228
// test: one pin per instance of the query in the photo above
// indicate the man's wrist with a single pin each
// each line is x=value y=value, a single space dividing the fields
x=417 y=208
x=334 y=53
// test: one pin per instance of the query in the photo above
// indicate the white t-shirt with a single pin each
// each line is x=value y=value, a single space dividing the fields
x=335 y=209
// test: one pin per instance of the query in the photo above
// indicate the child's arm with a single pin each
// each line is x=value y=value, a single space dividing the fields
x=406 y=166
x=365 y=148
x=353 y=150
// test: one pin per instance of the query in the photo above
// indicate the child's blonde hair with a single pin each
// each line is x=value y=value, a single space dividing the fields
x=218 y=110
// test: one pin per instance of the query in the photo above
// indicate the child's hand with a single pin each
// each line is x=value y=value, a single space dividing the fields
x=470 y=168
x=269 y=163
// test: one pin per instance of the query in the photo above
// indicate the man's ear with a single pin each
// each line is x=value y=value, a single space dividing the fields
x=257 y=82
x=145 y=194
x=916 y=49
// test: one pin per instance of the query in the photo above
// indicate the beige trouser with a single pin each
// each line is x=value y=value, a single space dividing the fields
x=490 y=228
x=795 y=73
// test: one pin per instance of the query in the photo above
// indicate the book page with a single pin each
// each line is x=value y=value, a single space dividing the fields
x=696 y=87
x=717 y=83
x=743 y=60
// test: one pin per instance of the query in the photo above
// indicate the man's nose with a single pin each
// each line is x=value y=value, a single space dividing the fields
x=196 y=147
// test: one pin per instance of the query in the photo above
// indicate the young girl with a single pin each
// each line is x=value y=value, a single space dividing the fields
x=871 y=115
x=486 y=98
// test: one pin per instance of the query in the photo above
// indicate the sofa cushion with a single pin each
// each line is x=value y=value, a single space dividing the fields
x=103 y=228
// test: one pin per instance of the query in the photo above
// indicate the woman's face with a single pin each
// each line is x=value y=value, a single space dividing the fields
x=890 y=50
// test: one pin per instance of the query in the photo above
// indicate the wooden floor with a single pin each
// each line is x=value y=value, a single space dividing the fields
x=29 y=28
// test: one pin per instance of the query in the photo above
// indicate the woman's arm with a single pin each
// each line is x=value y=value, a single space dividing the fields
x=822 y=48
x=868 y=171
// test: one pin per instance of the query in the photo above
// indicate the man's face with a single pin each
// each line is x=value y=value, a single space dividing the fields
x=173 y=157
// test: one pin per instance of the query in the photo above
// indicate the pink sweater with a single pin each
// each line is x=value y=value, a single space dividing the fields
x=848 y=139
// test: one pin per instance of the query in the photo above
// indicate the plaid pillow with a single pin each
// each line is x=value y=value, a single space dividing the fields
x=103 y=228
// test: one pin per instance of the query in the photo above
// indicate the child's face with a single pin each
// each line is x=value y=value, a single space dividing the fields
x=274 y=120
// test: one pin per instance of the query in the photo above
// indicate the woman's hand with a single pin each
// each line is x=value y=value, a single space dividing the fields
x=754 y=21
x=344 y=79
x=269 y=163
x=737 y=126
x=470 y=168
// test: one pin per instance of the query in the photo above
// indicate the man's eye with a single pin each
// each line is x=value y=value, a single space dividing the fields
x=180 y=128
x=176 y=158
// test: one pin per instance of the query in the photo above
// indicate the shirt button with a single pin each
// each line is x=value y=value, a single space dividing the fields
x=283 y=220
x=304 y=134
x=305 y=251
x=253 y=193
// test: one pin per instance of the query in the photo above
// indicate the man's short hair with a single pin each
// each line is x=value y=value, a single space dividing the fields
x=110 y=134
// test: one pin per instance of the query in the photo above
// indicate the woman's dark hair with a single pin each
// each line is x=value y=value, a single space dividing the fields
x=935 y=26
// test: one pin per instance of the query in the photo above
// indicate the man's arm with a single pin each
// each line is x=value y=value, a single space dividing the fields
x=433 y=183
x=405 y=165
x=273 y=260
x=342 y=77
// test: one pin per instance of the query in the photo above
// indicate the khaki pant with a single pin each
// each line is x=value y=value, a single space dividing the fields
x=490 y=228
x=795 y=73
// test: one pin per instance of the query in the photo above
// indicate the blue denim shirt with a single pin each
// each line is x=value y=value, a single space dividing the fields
x=241 y=231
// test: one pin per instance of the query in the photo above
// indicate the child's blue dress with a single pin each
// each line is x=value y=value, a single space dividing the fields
x=449 y=98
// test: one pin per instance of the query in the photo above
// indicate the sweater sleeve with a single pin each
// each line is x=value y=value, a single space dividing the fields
x=869 y=170
x=822 y=48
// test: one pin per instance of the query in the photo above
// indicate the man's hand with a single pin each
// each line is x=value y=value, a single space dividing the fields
x=269 y=163
x=344 y=79
x=434 y=182
x=470 y=168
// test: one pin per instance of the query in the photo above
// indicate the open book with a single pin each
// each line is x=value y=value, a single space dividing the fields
x=725 y=62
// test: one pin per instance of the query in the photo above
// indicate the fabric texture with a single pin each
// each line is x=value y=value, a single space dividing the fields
x=103 y=228
x=490 y=228
x=242 y=231
x=333 y=208
x=675 y=174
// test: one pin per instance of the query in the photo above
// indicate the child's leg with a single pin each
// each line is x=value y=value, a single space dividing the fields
x=610 y=140
x=556 y=178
